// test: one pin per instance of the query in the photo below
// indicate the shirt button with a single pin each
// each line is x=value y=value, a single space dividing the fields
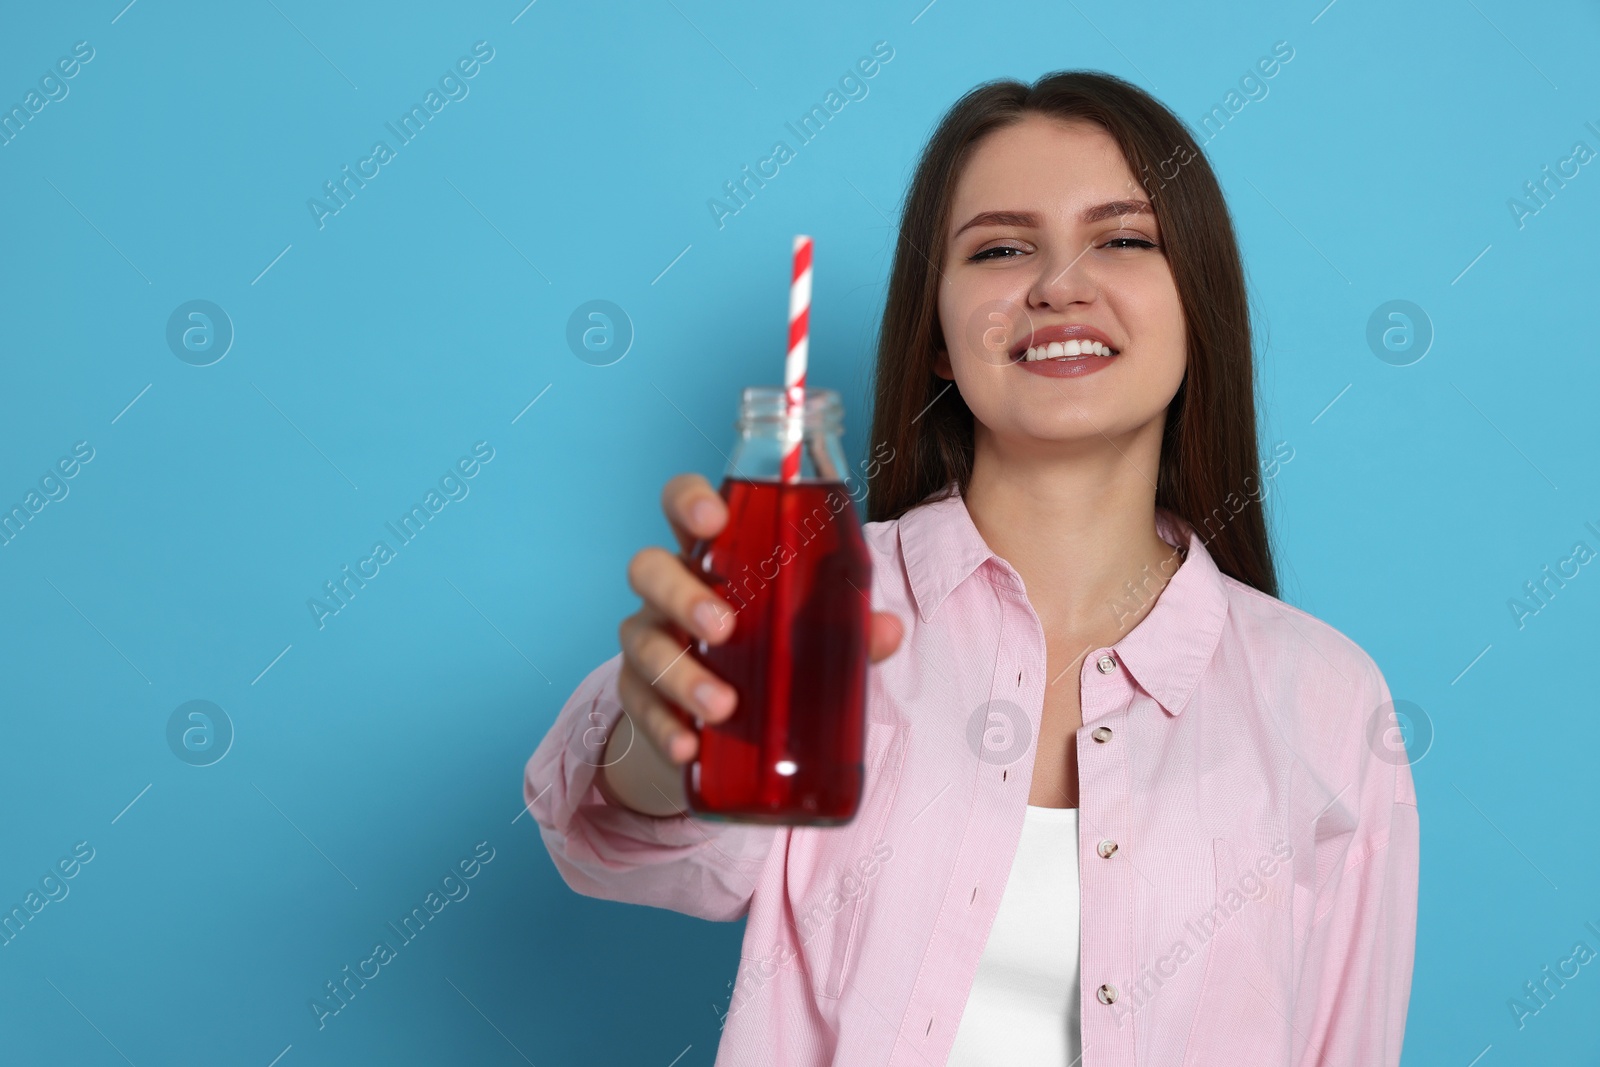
x=1106 y=664
x=1101 y=734
x=1107 y=848
x=1107 y=993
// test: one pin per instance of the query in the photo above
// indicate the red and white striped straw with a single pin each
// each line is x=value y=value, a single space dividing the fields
x=794 y=371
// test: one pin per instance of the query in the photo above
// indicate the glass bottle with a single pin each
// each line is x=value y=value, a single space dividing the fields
x=794 y=566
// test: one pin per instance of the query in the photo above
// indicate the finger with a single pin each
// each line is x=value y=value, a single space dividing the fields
x=665 y=664
x=886 y=633
x=668 y=587
x=662 y=729
x=693 y=509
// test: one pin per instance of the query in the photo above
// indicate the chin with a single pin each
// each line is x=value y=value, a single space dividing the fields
x=1078 y=422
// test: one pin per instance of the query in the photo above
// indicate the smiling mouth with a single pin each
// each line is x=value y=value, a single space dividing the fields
x=1067 y=350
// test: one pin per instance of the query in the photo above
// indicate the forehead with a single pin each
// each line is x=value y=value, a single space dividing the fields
x=1044 y=164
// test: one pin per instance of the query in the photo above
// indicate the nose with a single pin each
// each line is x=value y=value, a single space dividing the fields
x=1065 y=278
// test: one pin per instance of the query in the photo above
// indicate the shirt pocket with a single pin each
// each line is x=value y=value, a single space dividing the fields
x=826 y=891
x=1247 y=993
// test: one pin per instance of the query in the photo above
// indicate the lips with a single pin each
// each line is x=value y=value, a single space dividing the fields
x=1062 y=334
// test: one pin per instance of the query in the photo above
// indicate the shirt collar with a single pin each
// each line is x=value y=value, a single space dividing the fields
x=1165 y=652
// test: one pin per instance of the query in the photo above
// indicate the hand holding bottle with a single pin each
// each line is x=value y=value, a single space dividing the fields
x=656 y=668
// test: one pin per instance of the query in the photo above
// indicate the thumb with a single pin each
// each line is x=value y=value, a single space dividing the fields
x=886 y=632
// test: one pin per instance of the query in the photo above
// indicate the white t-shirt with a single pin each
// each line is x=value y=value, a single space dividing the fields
x=1023 y=1008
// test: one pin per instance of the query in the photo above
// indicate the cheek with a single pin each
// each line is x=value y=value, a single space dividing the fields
x=1148 y=308
x=1155 y=317
x=1170 y=363
x=980 y=317
x=950 y=301
x=958 y=306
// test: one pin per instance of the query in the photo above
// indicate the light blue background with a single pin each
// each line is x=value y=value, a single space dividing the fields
x=377 y=751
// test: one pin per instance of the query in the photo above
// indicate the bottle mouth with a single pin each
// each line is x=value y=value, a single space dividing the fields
x=769 y=403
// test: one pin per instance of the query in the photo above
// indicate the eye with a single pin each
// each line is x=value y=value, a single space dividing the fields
x=1129 y=242
x=989 y=253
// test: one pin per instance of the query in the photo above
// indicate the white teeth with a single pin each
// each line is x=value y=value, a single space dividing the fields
x=1067 y=350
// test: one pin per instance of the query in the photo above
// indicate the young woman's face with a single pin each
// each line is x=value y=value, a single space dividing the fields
x=1050 y=238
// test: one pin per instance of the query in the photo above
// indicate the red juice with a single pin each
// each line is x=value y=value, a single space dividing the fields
x=793 y=564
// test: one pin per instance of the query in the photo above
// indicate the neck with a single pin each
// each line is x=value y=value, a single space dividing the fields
x=1077 y=525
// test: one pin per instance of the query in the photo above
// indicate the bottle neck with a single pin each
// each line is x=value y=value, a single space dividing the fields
x=766 y=430
x=758 y=455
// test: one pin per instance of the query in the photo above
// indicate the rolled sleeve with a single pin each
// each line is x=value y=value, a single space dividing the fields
x=1360 y=957
x=685 y=864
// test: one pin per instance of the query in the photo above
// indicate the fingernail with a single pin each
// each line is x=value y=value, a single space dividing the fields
x=709 y=618
x=704 y=513
x=711 y=698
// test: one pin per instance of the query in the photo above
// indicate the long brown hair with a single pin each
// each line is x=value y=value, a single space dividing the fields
x=1209 y=459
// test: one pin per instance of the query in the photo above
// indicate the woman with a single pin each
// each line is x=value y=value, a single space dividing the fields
x=1122 y=803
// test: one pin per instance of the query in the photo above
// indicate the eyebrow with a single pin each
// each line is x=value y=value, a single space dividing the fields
x=1111 y=209
x=1000 y=218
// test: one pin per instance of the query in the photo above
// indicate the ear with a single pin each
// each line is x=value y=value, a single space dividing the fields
x=941 y=363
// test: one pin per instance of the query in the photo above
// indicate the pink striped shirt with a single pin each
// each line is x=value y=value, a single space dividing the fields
x=1248 y=842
